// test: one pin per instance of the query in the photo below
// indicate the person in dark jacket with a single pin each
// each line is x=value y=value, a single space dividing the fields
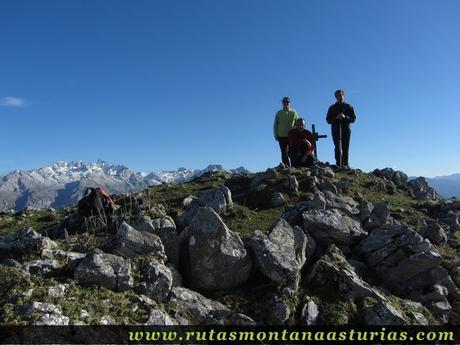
x=301 y=145
x=340 y=115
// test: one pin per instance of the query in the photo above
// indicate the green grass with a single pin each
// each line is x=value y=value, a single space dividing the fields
x=13 y=284
x=245 y=221
x=172 y=195
x=407 y=310
x=457 y=235
x=38 y=220
x=402 y=206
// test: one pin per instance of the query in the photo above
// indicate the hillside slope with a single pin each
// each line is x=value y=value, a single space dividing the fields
x=300 y=246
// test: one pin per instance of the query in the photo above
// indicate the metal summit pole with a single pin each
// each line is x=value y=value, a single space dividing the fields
x=317 y=137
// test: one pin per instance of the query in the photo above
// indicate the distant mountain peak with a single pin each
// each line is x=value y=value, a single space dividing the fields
x=63 y=183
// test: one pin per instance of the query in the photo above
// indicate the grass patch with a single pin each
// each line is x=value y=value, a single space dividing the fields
x=245 y=221
x=402 y=206
x=447 y=252
x=407 y=310
x=12 y=284
x=37 y=219
x=97 y=301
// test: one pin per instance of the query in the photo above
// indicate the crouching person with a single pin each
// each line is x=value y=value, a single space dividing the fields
x=301 y=145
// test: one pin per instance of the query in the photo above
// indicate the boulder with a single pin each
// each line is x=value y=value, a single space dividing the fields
x=101 y=269
x=157 y=281
x=107 y=320
x=435 y=293
x=277 y=200
x=318 y=202
x=57 y=291
x=420 y=189
x=440 y=309
x=398 y=177
x=142 y=223
x=214 y=255
x=379 y=216
x=166 y=230
x=41 y=308
x=44 y=266
x=158 y=317
x=322 y=171
x=52 y=320
x=381 y=313
x=192 y=204
x=309 y=313
x=310 y=184
x=424 y=281
x=311 y=246
x=277 y=312
x=293 y=213
x=71 y=258
x=129 y=243
x=13 y=263
x=291 y=185
x=332 y=226
x=22 y=242
x=391 y=187
x=48 y=314
x=451 y=218
x=200 y=310
x=365 y=210
x=434 y=232
x=217 y=199
x=333 y=270
x=399 y=255
x=281 y=252
x=328 y=186
x=341 y=202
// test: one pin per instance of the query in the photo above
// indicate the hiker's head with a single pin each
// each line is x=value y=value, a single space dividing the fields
x=300 y=124
x=286 y=102
x=339 y=96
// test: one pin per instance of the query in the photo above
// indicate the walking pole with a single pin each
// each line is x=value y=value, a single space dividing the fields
x=340 y=145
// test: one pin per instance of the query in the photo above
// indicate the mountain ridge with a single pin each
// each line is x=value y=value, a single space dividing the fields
x=62 y=183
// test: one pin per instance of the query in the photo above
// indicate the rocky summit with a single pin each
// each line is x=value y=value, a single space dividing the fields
x=317 y=246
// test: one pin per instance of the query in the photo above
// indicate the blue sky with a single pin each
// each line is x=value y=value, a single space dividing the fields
x=164 y=84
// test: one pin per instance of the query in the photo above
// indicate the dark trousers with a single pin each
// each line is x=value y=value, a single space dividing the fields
x=346 y=134
x=299 y=158
x=284 y=143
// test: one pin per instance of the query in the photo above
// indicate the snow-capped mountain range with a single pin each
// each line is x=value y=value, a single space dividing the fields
x=63 y=184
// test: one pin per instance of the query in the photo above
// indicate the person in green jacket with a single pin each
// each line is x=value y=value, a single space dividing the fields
x=284 y=121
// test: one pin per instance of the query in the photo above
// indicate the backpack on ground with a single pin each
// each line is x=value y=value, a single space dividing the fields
x=91 y=204
x=107 y=202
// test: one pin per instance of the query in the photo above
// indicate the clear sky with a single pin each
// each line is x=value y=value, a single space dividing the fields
x=165 y=84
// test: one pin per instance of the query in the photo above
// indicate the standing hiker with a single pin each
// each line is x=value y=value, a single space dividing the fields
x=340 y=115
x=284 y=121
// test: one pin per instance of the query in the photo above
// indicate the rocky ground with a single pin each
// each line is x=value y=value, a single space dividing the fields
x=300 y=246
